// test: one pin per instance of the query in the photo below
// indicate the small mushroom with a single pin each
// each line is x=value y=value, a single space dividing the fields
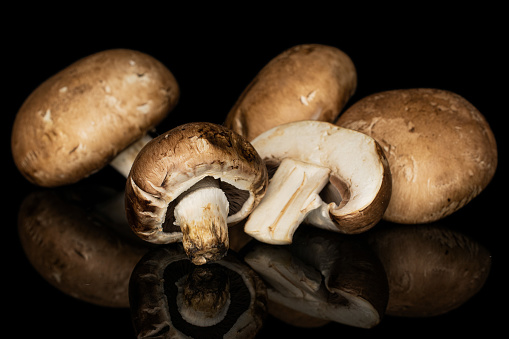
x=95 y=112
x=326 y=276
x=305 y=82
x=441 y=150
x=331 y=177
x=431 y=270
x=172 y=298
x=71 y=247
x=192 y=182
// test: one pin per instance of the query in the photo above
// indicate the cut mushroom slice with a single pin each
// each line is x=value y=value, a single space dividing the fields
x=95 y=112
x=325 y=276
x=331 y=177
x=172 y=298
x=190 y=184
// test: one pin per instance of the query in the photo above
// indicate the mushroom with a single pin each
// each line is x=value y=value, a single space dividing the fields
x=305 y=82
x=327 y=276
x=441 y=150
x=331 y=177
x=74 y=250
x=190 y=184
x=172 y=298
x=431 y=270
x=95 y=112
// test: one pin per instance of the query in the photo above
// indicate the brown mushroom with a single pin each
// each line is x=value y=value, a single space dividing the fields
x=305 y=82
x=431 y=270
x=172 y=298
x=441 y=150
x=71 y=247
x=190 y=183
x=85 y=116
x=326 y=276
x=331 y=177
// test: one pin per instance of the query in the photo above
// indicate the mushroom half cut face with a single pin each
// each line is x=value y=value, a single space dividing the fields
x=192 y=182
x=331 y=177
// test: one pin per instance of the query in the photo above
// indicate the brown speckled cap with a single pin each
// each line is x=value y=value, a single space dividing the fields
x=441 y=150
x=78 y=120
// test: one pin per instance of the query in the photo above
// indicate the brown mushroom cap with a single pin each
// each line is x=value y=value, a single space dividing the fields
x=74 y=251
x=78 y=120
x=175 y=161
x=305 y=82
x=441 y=150
x=431 y=270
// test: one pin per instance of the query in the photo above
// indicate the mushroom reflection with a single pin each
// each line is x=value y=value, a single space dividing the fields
x=324 y=275
x=75 y=249
x=431 y=269
x=173 y=298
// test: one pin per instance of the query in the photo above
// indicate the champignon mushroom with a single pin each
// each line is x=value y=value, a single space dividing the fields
x=172 y=298
x=305 y=82
x=328 y=276
x=331 y=177
x=190 y=183
x=85 y=116
x=431 y=270
x=70 y=247
x=441 y=150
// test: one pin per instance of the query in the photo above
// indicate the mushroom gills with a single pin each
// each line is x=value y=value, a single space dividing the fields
x=293 y=192
x=201 y=215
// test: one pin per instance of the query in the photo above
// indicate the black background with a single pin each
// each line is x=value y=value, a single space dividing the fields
x=214 y=54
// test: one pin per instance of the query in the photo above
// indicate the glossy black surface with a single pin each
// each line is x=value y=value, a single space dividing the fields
x=212 y=67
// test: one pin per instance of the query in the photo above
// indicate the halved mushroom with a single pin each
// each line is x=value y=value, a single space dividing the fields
x=172 y=298
x=192 y=182
x=305 y=82
x=431 y=270
x=441 y=150
x=70 y=246
x=328 y=276
x=331 y=177
x=87 y=115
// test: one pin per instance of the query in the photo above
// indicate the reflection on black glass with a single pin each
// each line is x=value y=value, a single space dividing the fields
x=431 y=269
x=173 y=298
x=77 y=246
x=322 y=277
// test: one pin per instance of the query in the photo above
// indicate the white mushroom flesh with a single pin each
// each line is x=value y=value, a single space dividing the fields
x=309 y=153
x=292 y=194
x=125 y=159
x=202 y=216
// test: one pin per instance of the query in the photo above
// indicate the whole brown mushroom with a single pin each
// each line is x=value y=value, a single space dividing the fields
x=95 y=112
x=190 y=184
x=441 y=150
x=305 y=82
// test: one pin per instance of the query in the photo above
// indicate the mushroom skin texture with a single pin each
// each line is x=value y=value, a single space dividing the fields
x=327 y=176
x=77 y=121
x=441 y=150
x=305 y=82
x=172 y=298
x=170 y=167
x=431 y=270
x=326 y=276
x=75 y=251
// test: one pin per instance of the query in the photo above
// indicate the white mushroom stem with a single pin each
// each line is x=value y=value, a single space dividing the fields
x=201 y=215
x=125 y=159
x=293 y=192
